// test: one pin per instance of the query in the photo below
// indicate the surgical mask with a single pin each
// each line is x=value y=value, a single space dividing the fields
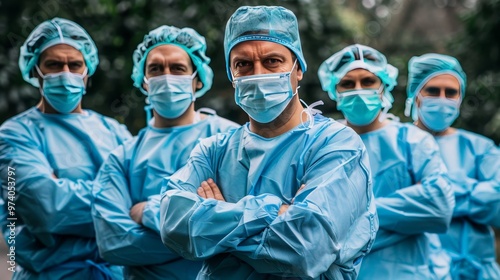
x=63 y=90
x=360 y=107
x=437 y=113
x=171 y=95
x=264 y=97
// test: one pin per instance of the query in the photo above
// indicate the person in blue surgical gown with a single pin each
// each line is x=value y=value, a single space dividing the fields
x=52 y=153
x=412 y=190
x=171 y=68
x=288 y=194
x=436 y=88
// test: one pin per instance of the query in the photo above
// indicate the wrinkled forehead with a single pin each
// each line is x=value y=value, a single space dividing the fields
x=61 y=52
x=443 y=80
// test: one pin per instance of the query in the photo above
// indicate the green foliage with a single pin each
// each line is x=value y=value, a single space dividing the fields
x=478 y=49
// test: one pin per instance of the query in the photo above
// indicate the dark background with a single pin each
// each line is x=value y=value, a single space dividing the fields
x=466 y=29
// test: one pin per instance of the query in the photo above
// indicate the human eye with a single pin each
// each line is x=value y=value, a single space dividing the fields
x=273 y=62
x=451 y=92
x=434 y=91
x=154 y=69
x=75 y=66
x=368 y=82
x=345 y=85
x=242 y=66
x=54 y=65
x=178 y=69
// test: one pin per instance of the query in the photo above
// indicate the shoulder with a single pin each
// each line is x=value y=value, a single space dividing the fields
x=416 y=137
x=111 y=123
x=326 y=131
x=221 y=123
x=21 y=124
x=220 y=141
x=477 y=142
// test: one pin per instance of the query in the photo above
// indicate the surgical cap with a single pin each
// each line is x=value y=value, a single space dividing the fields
x=263 y=23
x=53 y=32
x=357 y=56
x=425 y=67
x=187 y=39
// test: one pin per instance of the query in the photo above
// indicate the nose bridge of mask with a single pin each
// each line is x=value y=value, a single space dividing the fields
x=448 y=101
x=367 y=91
x=58 y=74
x=261 y=77
x=171 y=77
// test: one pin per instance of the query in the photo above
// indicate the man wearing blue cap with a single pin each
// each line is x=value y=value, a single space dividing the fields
x=53 y=152
x=436 y=83
x=171 y=68
x=288 y=194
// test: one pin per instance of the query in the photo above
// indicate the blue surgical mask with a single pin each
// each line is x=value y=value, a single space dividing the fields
x=63 y=90
x=437 y=113
x=264 y=97
x=360 y=107
x=171 y=95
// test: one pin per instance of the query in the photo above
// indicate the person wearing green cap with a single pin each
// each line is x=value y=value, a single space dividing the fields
x=171 y=69
x=289 y=193
x=436 y=88
x=54 y=150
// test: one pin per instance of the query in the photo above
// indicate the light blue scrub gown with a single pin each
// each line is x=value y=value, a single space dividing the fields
x=133 y=173
x=55 y=236
x=413 y=196
x=324 y=233
x=473 y=162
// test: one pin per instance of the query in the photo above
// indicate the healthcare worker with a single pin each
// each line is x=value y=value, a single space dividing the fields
x=413 y=193
x=54 y=151
x=436 y=88
x=286 y=195
x=171 y=68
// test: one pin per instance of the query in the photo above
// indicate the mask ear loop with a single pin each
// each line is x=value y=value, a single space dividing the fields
x=148 y=107
x=386 y=104
x=310 y=113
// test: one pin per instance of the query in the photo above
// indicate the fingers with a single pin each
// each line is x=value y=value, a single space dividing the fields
x=215 y=190
x=201 y=189
x=299 y=190
x=136 y=212
x=208 y=189
x=283 y=209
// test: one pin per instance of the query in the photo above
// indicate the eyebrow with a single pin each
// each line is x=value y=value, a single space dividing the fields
x=266 y=55
x=57 y=61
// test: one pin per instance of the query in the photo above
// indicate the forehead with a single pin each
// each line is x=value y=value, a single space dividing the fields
x=61 y=52
x=359 y=73
x=444 y=80
x=168 y=53
x=259 y=48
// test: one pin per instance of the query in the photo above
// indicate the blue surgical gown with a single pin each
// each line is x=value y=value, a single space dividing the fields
x=132 y=174
x=473 y=162
x=413 y=196
x=55 y=158
x=327 y=229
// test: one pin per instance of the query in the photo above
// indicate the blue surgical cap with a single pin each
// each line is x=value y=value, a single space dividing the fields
x=357 y=56
x=53 y=32
x=263 y=23
x=187 y=39
x=425 y=67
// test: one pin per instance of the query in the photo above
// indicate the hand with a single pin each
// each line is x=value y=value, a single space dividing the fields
x=284 y=206
x=136 y=212
x=208 y=189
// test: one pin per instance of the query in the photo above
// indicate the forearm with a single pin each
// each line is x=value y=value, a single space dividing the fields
x=187 y=222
